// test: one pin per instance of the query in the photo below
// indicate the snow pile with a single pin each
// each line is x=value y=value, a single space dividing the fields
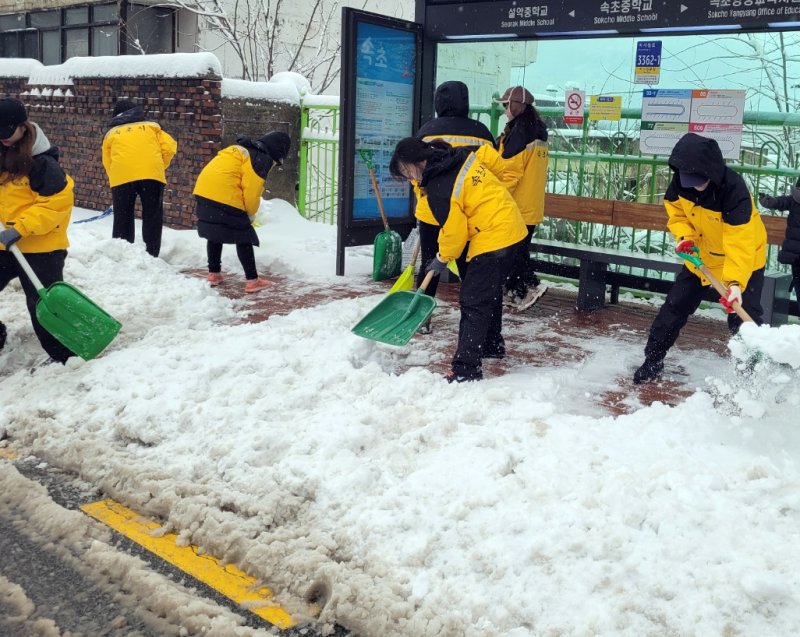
x=18 y=67
x=407 y=506
x=282 y=87
x=161 y=65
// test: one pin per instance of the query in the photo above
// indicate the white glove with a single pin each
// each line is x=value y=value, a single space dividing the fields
x=735 y=294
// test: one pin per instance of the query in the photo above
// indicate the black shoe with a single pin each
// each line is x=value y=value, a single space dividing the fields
x=425 y=328
x=3 y=334
x=649 y=371
x=452 y=377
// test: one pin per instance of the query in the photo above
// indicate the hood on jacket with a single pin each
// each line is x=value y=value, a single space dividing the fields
x=698 y=155
x=41 y=144
x=444 y=161
x=451 y=99
x=135 y=114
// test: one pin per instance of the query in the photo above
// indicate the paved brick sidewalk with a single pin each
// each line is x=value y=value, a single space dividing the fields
x=550 y=333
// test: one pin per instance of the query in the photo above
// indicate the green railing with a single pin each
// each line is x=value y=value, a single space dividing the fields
x=319 y=157
x=584 y=160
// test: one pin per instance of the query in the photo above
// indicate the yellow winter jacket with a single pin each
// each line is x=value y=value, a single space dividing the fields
x=230 y=179
x=138 y=150
x=524 y=140
x=731 y=252
x=39 y=206
x=481 y=211
x=529 y=190
x=507 y=171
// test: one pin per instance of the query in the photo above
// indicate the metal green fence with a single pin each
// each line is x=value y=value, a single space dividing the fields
x=590 y=160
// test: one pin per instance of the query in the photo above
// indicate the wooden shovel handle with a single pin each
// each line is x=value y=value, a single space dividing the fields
x=428 y=277
x=378 y=197
x=717 y=285
x=415 y=253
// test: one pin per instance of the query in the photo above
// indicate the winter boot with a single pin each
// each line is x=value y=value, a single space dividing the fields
x=648 y=371
x=453 y=377
x=255 y=285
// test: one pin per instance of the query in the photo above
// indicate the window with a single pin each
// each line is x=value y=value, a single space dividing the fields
x=53 y=36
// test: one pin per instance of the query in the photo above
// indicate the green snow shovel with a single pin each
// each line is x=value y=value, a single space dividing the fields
x=397 y=317
x=70 y=316
x=388 y=246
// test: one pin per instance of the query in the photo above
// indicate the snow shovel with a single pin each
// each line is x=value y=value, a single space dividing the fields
x=70 y=316
x=406 y=280
x=388 y=246
x=398 y=317
x=695 y=260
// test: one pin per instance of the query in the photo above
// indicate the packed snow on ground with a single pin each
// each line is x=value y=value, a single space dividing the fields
x=409 y=507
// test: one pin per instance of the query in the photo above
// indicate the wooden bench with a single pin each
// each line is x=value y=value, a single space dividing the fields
x=592 y=269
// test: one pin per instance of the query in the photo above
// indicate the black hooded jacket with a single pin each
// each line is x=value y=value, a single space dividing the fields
x=130 y=116
x=727 y=193
x=790 y=249
x=452 y=123
x=722 y=219
x=527 y=127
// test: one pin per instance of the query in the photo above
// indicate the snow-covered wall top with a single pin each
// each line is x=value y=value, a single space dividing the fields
x=166 y=65
x=18 y=67
x=282 y=87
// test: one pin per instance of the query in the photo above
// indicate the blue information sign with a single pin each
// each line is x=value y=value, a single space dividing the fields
x=648 y=62
x=384 y=114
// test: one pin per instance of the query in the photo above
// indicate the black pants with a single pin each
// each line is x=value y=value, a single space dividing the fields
x=684 y=298
x=151 y=195
x=49 y=267
x=428 y=247
x=479 y=331
x=522 y=274
x=244 y=251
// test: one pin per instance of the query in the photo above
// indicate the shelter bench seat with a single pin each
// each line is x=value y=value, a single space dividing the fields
x=593 y=272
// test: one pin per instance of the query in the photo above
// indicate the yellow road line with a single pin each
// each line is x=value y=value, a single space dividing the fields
x=8 y=454
x=226 y=579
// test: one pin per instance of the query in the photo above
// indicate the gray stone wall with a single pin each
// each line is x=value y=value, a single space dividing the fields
x=256 y=117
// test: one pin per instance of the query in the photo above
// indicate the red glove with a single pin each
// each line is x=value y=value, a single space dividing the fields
x=686 y=246
x=734 y=296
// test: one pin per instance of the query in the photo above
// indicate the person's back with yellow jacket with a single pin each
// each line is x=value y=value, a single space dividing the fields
x=228 y=193
x=136 y=155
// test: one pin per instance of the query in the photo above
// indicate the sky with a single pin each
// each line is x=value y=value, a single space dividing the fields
x=514 y=506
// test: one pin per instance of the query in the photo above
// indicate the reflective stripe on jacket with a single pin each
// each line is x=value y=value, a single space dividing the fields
x=229 y=178
x=480 y=211
x=138 y=150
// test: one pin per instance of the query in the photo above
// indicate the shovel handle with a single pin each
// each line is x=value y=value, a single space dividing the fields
x=26 y=267
x=378 y=197
x=415 y=253
x=715 y=283
x=428 y=278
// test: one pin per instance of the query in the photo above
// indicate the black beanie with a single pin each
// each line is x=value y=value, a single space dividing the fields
x=276 y=145
x=123 y=105
x=12 y=114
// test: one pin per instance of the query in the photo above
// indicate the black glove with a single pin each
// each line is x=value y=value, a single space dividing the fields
x=767 y=201
x=9 y=237
x=436 y=266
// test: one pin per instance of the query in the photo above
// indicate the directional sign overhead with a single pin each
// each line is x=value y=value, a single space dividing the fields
x=530 y=18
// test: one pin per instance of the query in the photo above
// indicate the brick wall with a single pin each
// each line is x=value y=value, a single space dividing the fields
x=192 y=110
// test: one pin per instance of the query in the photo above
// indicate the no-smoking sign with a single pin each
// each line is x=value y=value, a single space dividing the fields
x=573 y=107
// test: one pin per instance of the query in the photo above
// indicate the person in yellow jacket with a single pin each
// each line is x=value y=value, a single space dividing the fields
x=36 y=199
x=471 y=205
x=453 y=125
x=136 y=155
x=711 y=212
x=524 y=142
x=228 y=193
